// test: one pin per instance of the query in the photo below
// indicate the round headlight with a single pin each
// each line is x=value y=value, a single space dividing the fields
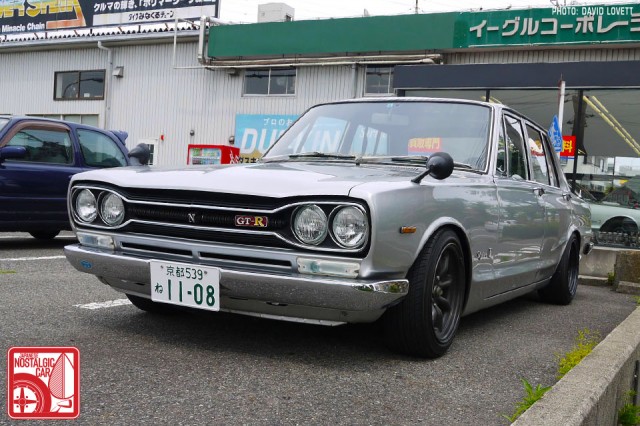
x=310 y=225
x=350 y=227
x=112 y=209
x=86 y=206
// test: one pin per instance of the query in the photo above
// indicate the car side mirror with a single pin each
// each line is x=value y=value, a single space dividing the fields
x=12 y=152
x=140 y=155
x=439 y=166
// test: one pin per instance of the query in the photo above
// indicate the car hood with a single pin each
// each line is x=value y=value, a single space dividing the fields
x=279 y=179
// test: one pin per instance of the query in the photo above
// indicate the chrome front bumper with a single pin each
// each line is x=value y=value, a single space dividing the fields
x=294 y=297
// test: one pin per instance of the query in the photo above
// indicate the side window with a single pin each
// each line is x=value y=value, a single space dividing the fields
x=100 y=150
x=538 y=156
x=501 y=163
x=553 y=177
x=44 y=146
x=517 y=159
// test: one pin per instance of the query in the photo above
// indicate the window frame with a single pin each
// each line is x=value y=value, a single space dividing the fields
x=270 y=79
x=54 y=127
x=78 y=82
x=389 y=74
x=525 y=153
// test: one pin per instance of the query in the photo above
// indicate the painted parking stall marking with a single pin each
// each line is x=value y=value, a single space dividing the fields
x=107 y=304
x=43 y=382
x=18 y=259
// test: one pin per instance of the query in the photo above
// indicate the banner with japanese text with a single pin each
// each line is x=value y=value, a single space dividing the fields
x=19 y=16
x=255 y=133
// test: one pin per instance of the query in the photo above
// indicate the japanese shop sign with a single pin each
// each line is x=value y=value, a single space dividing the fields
x=555 y=25
x=255 y=133
x=568 y=146
x=18 y=16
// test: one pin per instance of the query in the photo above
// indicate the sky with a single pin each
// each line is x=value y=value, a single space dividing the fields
x=247 y=10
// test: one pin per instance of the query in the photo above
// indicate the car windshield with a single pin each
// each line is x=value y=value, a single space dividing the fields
x=3 y=122
x=395 y=129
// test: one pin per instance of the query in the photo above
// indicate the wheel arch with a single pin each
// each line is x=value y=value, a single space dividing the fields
x=618 y=222
x=465 y=245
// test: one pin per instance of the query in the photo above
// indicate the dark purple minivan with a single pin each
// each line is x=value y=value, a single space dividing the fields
x=38 y=156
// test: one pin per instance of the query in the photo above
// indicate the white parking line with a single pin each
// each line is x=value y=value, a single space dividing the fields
x=59 y=237
x=107 y=304
x=15 y=259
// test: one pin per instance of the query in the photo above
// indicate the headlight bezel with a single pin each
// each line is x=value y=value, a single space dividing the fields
x=365 y=234
x=99 y=193
x=318 y=210
x=331 y=242
x=102 y=200
x=76 y=208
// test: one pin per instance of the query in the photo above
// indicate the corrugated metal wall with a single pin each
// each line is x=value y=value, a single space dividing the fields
x=533 y=56
x=153 y=98
x=27 y=81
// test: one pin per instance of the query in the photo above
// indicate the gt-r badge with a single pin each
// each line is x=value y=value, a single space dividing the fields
x=252 y=221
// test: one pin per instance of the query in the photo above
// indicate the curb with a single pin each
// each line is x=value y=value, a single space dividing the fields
x=593 y=391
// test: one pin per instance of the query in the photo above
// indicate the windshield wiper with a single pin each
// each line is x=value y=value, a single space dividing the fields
x=423 y=158
x=316 y=154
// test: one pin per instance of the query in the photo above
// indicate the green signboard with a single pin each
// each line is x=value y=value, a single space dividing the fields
x=581 y=25
x=549 y=26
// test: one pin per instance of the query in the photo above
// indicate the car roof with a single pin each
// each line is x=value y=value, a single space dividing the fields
x=120 y=135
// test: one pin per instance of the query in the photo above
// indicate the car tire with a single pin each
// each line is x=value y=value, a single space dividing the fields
x=425 y=322
x=564 y=283
x=148 y=305
x=44 y=235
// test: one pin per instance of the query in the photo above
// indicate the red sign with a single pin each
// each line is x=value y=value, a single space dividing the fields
x=43 y=383
x=419 y=146
x=568 y=146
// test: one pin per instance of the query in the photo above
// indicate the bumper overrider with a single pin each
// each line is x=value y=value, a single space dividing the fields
x=272 y=294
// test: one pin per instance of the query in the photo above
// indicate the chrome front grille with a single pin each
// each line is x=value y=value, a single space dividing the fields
x=213 y=217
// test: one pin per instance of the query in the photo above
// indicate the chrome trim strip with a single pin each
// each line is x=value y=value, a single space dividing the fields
x=131 y=274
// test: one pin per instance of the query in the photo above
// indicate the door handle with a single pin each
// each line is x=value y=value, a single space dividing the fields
x=538 y=191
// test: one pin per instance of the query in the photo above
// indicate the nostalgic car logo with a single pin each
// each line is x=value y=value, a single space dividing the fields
x=252 y=221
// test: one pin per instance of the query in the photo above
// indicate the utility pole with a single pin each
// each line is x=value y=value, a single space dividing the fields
x=416 y=11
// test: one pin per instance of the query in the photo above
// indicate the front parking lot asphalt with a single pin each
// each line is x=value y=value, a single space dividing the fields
x=217 y=368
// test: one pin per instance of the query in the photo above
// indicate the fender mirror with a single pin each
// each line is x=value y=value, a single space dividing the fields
x=140 y=155
x=439 y=166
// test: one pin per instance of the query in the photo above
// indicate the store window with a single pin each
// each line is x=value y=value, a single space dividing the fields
x=79 y=85
x=270 y=81
x=378 y=80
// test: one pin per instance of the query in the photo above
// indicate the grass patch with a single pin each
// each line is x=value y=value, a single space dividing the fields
x=585 y=342
x=531 y=396
x=629 y=414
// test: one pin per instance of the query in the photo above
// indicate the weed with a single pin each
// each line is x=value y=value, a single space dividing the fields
x=585 y=342
x=637 y=298
x=5 y=271
x=611 y=278
x=531 y=396
x=629 y=414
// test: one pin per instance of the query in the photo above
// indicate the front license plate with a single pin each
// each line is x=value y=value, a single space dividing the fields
x=185 y=284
